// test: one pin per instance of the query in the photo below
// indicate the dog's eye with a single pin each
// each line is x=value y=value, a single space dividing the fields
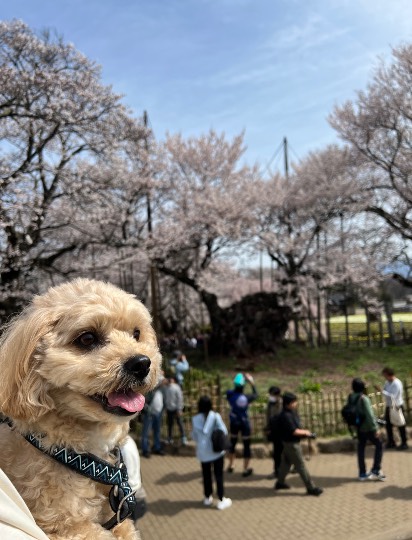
x=88 y=340
x=136 y=334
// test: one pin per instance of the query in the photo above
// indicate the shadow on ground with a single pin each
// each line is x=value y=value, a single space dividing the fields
x=391 y=492
x=166 y=507
x=174 y=477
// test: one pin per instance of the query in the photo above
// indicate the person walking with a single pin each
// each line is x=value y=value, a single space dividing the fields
x=174 y=408
x=273 y=410
x=393 y=392
x=367 y=430
x=203 y=425
x=291 y=434
x=239 y=421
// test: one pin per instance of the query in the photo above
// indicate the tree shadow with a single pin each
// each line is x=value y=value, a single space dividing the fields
x=331 y=482
x=391 y=492
x=173 y=477
x=165 y=507
x=238 y=478
x=244 y=493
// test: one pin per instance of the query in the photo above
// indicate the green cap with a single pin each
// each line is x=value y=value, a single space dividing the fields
x=239 y=380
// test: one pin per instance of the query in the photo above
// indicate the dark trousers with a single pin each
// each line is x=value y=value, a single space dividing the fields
x=277 y=454
x=171 y=416
x=151 y=421
x=389 y=429
x=207 y=477
x=243 y=427
x=292 y=455
x=363 y=438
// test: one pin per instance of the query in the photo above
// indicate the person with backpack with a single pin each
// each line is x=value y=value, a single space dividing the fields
x=273 y=410
x=367 y=430
x=239 y=421
x=204 y=424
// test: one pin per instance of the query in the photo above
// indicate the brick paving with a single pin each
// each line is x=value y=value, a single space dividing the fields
x=347 y=510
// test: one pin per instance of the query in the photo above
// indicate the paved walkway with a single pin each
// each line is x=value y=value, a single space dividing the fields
x=348 y=509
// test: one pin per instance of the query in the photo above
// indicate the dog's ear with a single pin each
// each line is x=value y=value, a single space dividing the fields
x=23 y=392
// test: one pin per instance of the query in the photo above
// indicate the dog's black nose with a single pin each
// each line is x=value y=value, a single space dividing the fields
x=138 y=366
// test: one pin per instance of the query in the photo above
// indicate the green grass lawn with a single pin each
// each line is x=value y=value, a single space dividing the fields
x=361 y=318
x=301 y=369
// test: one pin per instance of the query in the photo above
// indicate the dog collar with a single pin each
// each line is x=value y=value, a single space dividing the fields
x=121 y=497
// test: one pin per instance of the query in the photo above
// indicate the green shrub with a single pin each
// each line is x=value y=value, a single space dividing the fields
x=307 y=385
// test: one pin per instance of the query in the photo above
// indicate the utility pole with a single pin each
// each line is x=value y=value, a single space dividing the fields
x=153 y=294
x=286 y=163
x=285 y=153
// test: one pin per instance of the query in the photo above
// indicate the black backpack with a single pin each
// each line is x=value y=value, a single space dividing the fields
x=274 y=428
x=351 y=413
x=219 y=440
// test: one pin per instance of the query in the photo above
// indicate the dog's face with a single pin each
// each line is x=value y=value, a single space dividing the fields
x=85 y=349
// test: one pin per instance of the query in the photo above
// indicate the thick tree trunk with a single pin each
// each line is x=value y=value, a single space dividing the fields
x=391 y=328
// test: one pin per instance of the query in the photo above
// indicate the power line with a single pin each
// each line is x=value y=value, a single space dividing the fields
x=276 y=154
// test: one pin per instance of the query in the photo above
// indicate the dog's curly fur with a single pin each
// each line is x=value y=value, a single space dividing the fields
x=47 y=382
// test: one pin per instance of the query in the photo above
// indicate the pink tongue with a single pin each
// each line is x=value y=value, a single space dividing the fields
x=130 y=401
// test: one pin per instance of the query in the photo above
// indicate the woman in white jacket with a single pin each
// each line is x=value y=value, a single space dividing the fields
x=203 y=424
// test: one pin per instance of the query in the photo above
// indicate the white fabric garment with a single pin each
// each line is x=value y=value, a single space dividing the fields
x=156 y=406
x=131 y=459
x=16 y=521
x=393 y=389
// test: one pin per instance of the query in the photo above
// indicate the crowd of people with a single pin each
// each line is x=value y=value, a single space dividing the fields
x=283 y=429
x=166 y=397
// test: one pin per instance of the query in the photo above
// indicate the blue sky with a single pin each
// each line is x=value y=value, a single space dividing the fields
x=273 y=68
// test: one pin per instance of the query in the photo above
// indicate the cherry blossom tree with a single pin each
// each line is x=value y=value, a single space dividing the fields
x=205 y=200
x=301 y=229
x=378 y=128
x=54 y=112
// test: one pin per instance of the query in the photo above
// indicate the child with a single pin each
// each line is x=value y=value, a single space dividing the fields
x=203 y=425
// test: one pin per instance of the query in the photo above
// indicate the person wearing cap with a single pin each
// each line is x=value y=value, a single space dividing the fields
x=367 y=430
x=273 y=410
x=291 y=434
x=239 y=420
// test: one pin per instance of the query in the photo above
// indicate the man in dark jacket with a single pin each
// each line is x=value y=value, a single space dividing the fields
x=291 y=433
x=273 y=410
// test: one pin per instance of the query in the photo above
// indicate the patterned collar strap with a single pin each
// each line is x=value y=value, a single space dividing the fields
x=86 y=464
x=121 y=496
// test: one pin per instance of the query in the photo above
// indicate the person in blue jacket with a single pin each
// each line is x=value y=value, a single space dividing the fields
x=239 y=420
x=203 y=425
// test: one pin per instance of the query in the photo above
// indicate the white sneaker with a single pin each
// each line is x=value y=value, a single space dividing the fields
x=380 y=477
x=224 y=503
x=208 y=501
x=363 y=477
